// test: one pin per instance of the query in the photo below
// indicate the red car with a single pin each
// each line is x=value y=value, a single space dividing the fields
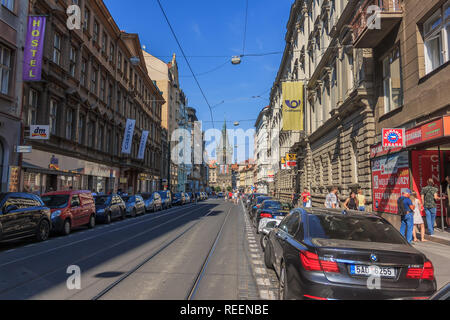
x=70 y=209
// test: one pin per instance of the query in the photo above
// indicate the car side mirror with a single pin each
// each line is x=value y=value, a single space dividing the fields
x=10 y=208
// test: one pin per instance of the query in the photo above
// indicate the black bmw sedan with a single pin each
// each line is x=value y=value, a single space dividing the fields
x=323 y=254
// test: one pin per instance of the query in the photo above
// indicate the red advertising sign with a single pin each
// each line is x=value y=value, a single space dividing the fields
x=390 y=174
x=433 y=130
x=425 y=165
x=393 y=138
x=413 y=136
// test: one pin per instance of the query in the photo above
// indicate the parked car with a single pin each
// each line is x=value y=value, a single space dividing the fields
x=178 y=199
x=70 y=209
x=187 y=199
x=109 y=207
x=270 y=209
x=166 y=198
x=257 y=203
x=205 y=196
x=152 y=201
x=23 y=215
x=323 y=254
x=220 y=195
x=135 y=205
x=252 y=197
x=199 y=196
x=265 y=226
x=191 y=197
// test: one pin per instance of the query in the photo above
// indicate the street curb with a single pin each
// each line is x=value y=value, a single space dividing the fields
x=437 y=240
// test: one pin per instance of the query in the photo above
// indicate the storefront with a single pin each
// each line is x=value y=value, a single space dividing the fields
x=426 y=155
x=43 y=172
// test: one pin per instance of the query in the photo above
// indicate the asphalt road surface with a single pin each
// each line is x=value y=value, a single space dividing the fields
x=189 y=252
x=206 y=251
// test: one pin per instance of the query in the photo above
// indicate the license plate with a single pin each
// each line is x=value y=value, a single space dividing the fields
x=383 y=272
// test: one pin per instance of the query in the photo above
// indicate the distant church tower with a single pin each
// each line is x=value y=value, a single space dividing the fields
x=224 y=149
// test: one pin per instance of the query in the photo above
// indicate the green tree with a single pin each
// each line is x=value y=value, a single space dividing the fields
x=218 y=189
x=229 y=189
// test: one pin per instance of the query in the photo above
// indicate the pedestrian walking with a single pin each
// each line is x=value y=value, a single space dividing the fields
x=418 y=220
x=429 y=196
x=306 y=198
x=406 y=211
x=352 y=202
x=331 y=200
x=361 y=200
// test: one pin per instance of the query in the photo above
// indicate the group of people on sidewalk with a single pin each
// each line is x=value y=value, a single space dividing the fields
x=410 y=207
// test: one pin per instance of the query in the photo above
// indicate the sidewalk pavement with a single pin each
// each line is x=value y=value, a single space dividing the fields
x=442 y=237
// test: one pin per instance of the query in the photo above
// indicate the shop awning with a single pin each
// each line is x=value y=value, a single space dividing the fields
x=28 y=167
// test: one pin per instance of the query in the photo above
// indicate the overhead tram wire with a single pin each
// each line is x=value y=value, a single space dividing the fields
x=187 y=61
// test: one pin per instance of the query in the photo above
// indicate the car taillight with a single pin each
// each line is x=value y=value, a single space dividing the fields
x=311 y=262
x=426 y=273
x=266 y=215
x=258 y=206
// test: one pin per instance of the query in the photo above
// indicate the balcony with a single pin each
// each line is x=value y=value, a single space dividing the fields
x=374 y=20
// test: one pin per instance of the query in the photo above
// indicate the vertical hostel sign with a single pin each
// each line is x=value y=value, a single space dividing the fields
x=34 y=48
x=143 y=145
x=128 y=136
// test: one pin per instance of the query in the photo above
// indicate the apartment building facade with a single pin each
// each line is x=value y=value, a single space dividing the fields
x=94 y=79
x=411 y=52
x=13 y=22
x=261 y=151
x=339 y=125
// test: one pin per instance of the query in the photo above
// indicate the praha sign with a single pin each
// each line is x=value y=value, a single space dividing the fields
x=394 y=138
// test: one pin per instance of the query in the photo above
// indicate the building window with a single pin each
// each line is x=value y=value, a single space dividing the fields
x=32 y=107
x=119 y=100
x=110 y=95
x=57 y=49
x=81 y=124
x=119 y=62
x=69 y=124
x=8 y=4
x=53 y=115
x=108 y=141
x=111 y=53
x=125 y=69
x=87 y=15
x=104 y=41
x=83 y=72
x=73 y=61
x=5 y=69
x=392 y=81
x=94 y=80
x=96 y=30
x=102 y=88
x=100 y=138
x=90 y=133
x=437 y=38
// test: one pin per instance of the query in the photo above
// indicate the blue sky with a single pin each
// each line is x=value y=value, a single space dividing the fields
x=214 y=28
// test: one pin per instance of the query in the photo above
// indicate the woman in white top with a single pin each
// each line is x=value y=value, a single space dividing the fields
x=418 y=220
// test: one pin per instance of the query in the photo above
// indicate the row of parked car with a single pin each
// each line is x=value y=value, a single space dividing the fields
x=26 y=215
x=328 y=254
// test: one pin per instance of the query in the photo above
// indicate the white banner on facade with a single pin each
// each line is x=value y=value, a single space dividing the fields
x=143 y=145
x=128 y=136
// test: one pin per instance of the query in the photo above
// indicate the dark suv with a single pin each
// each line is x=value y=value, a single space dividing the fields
x=23 y=215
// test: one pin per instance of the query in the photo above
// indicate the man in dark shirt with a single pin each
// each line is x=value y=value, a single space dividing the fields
x=408 y=219
x=429 y=198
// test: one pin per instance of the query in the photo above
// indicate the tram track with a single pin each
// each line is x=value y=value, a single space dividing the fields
x=199 y=276
x=94 y=254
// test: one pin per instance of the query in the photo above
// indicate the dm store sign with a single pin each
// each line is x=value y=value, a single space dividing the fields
x=393 y=138
x=39 y=132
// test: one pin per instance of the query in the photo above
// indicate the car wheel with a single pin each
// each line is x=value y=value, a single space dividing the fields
x=123 y=214
x=108 y=218
x=43 y=231
x=283 y=287
x=263 y=241
x=66 y=227
x=91 y=224
x=268 y=256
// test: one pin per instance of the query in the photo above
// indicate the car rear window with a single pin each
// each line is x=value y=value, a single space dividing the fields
x=102 y=200
x=56 y=201
x=259 y=200
x=353 y=228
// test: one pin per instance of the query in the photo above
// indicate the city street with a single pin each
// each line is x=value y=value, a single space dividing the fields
x=206 y=251
x=156 y=256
